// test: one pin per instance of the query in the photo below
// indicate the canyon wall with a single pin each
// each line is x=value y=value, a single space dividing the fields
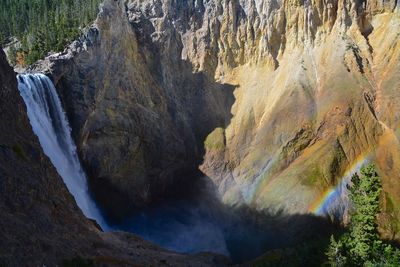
x=38 y=215
x=40 y=222
x=139 y=114
x=148 y=91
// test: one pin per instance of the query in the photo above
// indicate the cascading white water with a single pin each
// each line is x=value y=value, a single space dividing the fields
x=50 y=124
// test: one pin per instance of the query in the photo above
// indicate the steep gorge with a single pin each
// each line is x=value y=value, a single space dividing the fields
x=148 y=92
x=41 y=224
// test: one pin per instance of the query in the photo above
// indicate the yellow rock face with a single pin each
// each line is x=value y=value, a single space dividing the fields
x=307 y=115
x=316 y=95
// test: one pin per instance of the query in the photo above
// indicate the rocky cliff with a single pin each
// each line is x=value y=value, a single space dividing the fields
x=148 y=92
x=40 y=221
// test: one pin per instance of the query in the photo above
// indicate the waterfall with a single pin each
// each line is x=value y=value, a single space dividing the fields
x=50 y=124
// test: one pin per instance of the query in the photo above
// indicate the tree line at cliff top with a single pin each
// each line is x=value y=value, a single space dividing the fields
x=41 y=26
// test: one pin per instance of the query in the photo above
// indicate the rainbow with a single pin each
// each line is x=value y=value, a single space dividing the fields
x=321 y=204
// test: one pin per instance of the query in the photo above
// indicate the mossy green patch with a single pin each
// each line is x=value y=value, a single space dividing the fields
x=313 y=177
x=19 y=151
x=272 y=258
x=392 y=209
x=78 y=262
x=389 y=203
x=215 y=140
x=111 y=113
x=310 y=253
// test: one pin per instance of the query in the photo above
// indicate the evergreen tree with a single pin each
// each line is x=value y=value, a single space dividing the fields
x=2 y=38
x=361 y=246
x=364 y=194
x=336 y=253
x=44 y=25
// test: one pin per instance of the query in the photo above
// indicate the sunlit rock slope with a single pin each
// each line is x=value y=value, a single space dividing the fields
x=149 y=95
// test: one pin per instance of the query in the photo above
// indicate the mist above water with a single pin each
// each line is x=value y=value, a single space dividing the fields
x=180 y=227
x=199 y=222
x=192 y=221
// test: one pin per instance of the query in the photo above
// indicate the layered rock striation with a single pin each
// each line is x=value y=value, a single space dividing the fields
x=148 y=92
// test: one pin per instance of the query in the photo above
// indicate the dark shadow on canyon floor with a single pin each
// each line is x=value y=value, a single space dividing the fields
x=183 y=212
x=195 y=221
x=186 y=215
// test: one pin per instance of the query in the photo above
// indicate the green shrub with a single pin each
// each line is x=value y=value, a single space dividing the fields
x=19 y=151
x=78 y=262
x=361 y=245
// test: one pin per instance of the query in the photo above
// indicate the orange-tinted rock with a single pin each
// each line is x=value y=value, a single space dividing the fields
x=315 y=93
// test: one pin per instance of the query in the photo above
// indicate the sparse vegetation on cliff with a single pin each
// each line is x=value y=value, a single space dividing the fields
x=42 y=26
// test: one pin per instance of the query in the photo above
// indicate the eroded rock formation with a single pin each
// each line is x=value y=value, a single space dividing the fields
x=40 y=221
x=148 y=89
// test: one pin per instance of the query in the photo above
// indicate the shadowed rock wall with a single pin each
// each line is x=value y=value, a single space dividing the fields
x=40 y=223
x=315 y=94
